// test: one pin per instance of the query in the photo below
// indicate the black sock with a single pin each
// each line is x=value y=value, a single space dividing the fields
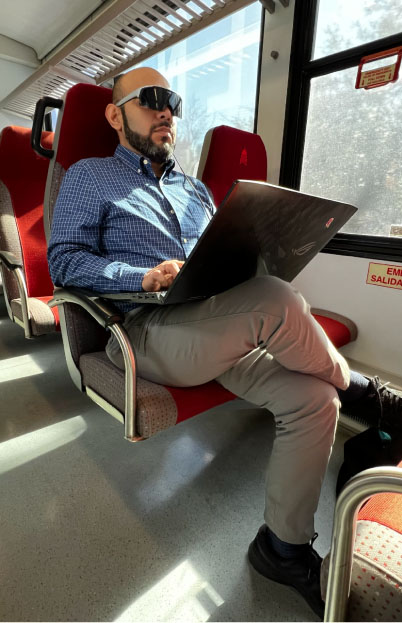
x=284 y=549
x=358 y=387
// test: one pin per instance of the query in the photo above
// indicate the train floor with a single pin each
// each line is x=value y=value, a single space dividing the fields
x=93 y=528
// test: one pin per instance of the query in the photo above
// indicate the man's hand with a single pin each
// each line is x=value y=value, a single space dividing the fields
x=160 y=277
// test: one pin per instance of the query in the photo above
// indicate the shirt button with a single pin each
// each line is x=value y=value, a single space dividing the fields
x=138 y=170
x=145 y=161
x=184 y=240
x=171 y=211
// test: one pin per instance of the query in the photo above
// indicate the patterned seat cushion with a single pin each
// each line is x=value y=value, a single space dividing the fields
x=158 y=407
x=376 y=584
x=43 y=318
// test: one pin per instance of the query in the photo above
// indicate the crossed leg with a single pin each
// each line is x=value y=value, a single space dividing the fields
x=261 y=342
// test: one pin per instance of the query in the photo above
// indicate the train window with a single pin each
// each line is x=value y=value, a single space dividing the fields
x=352 y=150
x=54 y=114
x=342 y=24
x=215 y=71
x=341 y=142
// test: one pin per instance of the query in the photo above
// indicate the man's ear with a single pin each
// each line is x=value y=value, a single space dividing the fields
x=114 y=117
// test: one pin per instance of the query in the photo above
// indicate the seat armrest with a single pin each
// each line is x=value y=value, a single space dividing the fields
x=10 y=260
x=108 y=316
x=104 y=313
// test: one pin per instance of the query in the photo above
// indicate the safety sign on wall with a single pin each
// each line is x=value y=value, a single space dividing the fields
x=385 y=275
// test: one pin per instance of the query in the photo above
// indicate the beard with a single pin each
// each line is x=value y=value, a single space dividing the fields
x=145 y=145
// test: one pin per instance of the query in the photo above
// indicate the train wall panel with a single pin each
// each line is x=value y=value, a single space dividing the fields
x=338 y=283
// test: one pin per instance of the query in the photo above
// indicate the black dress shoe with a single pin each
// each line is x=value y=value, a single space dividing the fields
x=380 y=407
x=303 y=573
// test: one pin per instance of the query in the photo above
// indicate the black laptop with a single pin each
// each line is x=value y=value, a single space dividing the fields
x=257 y=225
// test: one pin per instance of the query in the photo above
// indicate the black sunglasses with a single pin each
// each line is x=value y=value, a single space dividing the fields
x=156 y=98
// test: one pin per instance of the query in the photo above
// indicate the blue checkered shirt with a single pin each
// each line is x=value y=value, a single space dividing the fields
x=114 y=220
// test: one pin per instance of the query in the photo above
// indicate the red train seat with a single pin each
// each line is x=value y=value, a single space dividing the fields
x=26 y=280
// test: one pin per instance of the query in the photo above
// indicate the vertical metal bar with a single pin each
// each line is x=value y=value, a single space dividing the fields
x=130 y=432
x=355 y=493
x=24 y=301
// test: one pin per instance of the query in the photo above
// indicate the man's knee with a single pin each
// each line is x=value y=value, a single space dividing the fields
x=272 y=289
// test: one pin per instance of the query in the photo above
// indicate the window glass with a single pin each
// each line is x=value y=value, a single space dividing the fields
x=215 y=72
x=344 y=24
x=54 y=113
x=352 y=150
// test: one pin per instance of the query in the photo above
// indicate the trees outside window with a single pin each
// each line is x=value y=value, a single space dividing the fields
x=352 y=146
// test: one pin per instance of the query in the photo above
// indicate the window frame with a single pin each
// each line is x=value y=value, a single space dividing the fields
x=301 y=71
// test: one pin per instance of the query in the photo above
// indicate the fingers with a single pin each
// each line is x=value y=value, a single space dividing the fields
x=173 y=267
x=161 y=277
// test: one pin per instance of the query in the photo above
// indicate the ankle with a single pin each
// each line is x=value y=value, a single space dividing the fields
x=285 y=549
x=358 y=388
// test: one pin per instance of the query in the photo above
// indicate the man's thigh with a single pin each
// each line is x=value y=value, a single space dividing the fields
x=193 y=343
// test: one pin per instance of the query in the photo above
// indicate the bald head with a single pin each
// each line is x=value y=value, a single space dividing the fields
x=143 y=129
x=136 y=78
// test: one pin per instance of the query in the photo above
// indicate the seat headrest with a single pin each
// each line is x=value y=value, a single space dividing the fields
x=17 y=158
x=232 y=154
x=84 y=131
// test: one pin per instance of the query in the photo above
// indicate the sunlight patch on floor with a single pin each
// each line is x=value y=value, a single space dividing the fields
x=182 y=595
x=195 y=455
x=25 y=448
x=20 y=367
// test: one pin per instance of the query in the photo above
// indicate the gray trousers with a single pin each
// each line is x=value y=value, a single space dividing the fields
x=260 y=341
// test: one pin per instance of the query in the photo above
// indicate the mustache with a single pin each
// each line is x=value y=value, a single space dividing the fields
x=162 y=124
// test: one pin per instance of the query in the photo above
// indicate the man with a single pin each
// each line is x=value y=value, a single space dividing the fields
x=128 y=223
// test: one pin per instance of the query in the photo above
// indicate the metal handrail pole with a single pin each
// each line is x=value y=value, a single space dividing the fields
x=130 y=381
x=356 y=492
x=22 y=287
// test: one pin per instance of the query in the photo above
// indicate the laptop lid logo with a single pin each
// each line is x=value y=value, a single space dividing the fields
x=329 y=223
x=304 y=249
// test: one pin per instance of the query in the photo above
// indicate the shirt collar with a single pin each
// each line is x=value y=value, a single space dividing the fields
x=140 y=162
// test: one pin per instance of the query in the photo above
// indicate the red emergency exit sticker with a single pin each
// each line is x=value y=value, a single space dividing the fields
x=385 y=275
